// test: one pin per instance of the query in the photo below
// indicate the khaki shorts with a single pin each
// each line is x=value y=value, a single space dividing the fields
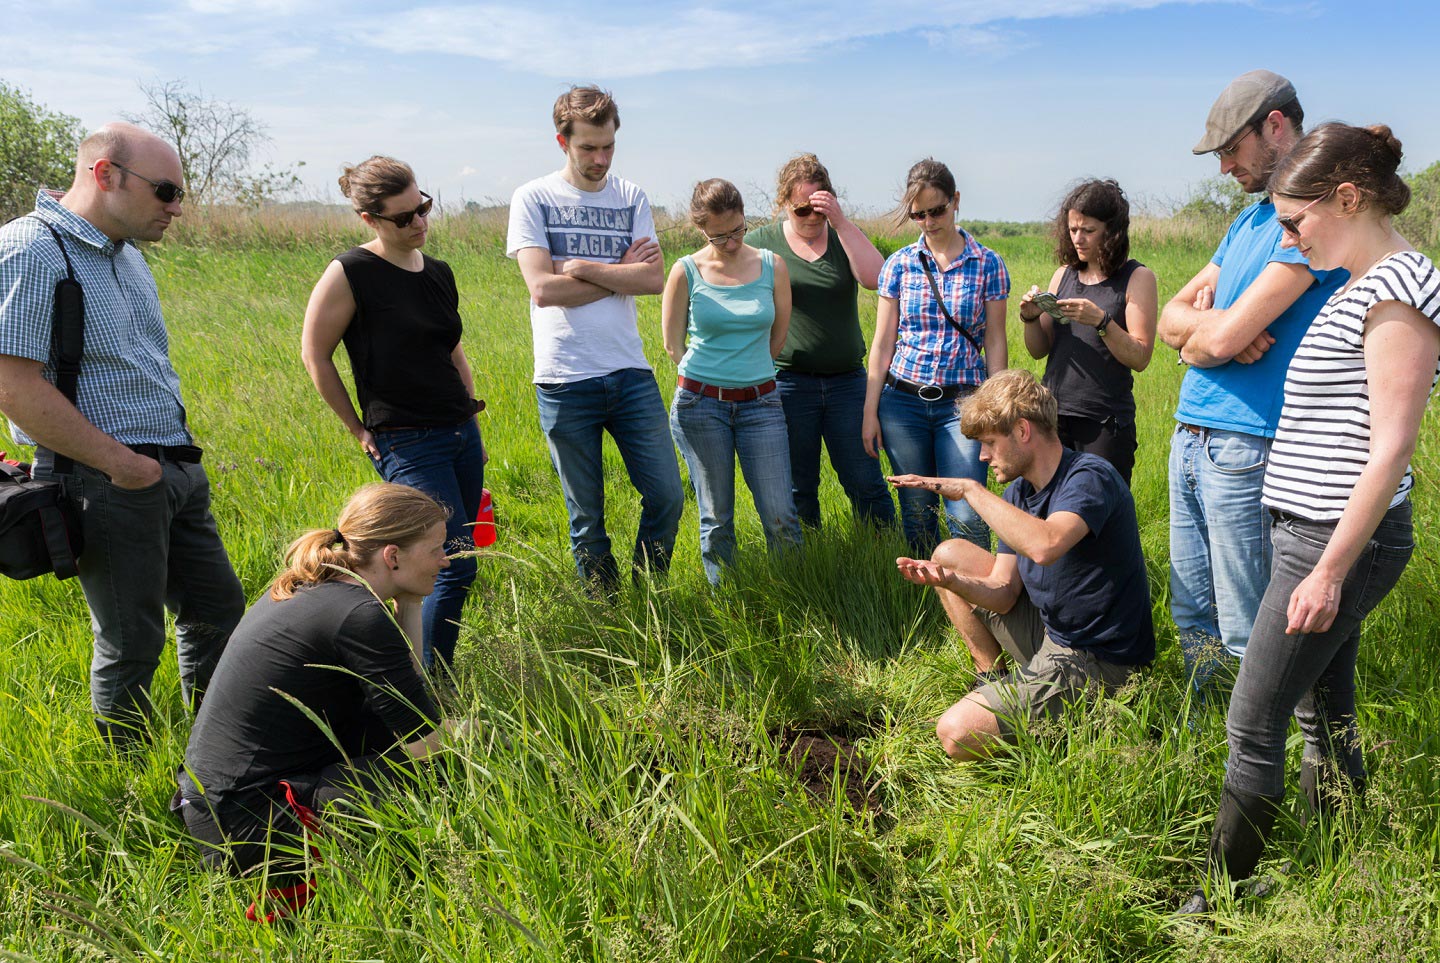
x=1048 y=675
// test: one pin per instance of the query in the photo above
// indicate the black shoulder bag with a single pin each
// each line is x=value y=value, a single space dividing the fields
x=39 y=525
x=945 y=308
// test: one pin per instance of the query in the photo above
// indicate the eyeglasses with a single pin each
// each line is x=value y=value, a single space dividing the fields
x=166 y=191
x=1228 y=151
x=1288 y=222
x=931 y=212
x=804 y=210
x=727 y=237
x=403 y=220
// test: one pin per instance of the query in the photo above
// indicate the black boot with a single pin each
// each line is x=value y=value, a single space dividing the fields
x=1325 y=785
x=1236 y=840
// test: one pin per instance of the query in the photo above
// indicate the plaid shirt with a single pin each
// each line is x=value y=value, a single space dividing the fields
x=927 y=349
x=128 y=388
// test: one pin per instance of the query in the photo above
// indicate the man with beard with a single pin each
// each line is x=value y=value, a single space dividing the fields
x=1065 y=596
x=1237 y=324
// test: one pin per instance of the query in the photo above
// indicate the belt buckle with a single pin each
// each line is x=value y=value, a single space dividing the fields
x=924 y=393
x=720 y=393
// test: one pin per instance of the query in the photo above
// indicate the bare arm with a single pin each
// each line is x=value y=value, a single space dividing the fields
x=640 y=270
x=462 y=368
x=327 y=316
x=1401 y=350
x=1180 y=317
x=882 y=352
x=551 y=290
x=434 y=742
x=39 y=409
x=1042 y=540
x=1132 y=345
x=1224 y=333
x=675 y=312
x=865 y=260
x=995 y=590
x=781 y=327
x=997 y=345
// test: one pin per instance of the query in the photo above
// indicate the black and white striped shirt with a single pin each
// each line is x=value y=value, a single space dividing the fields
x=1323 y=440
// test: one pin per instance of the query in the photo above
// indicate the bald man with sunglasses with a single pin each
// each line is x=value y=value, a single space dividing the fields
x=123 y=451
x=1237 y=324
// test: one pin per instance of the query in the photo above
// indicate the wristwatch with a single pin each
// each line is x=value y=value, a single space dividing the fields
x=1104 y=323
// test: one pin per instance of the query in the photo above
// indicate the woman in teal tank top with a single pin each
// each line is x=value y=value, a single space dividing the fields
x=725 y=313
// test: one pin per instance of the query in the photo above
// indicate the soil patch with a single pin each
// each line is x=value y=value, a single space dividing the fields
x=821 y=760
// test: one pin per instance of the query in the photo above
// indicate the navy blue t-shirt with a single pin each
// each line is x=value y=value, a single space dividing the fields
x=1097 y=595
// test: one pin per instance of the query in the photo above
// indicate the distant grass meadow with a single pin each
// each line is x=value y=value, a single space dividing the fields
x=636 y=791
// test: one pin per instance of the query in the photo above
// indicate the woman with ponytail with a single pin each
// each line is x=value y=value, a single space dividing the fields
x=323 y=643
x=1337 y=483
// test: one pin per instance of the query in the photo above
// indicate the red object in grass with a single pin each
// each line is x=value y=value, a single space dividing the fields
x=484 y=532
x=286 y=900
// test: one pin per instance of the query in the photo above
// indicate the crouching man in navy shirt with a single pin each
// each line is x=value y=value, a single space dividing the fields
x=1065 y=596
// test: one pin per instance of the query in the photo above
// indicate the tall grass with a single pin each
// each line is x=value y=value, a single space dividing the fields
x=632 y=794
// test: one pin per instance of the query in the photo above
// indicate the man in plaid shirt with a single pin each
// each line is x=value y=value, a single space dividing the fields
x=150 y=539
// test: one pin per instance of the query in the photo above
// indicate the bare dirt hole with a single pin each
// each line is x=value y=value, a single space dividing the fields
x=821 y=760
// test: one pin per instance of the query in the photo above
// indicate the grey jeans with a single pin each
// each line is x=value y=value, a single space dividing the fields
x=1310 y=675
x=147 y=550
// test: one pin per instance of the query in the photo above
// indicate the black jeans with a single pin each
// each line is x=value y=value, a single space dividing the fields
x=1111 y=439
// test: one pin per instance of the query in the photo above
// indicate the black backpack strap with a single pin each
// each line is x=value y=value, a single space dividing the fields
x=945 y=308
x=67 y=334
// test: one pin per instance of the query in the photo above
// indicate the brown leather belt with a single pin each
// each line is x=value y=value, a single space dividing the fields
x=1193 y=429
x=727 y=394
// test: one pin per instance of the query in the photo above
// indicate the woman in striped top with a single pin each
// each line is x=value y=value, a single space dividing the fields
x=1337 y=483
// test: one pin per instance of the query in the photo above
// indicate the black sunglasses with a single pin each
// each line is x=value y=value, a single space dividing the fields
x=403 y=220
x=804 y=210
x=166 y=191
x=931 y=212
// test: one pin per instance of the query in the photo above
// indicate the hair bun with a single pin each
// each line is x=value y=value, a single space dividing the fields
x=345 y=180
x=1386 y=136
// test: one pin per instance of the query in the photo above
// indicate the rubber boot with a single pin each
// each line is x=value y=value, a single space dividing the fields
x=1324 y=785
x=1236 y=840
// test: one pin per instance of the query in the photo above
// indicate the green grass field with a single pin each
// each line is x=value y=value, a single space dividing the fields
x=638 y=791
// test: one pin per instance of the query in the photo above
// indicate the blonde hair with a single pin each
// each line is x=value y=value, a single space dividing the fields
x=800 y=169
x=1005 y=398
x=380 y=514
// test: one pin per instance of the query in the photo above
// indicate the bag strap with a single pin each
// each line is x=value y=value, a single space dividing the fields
x=57 y=541
x=67 y=334
x=945 y=308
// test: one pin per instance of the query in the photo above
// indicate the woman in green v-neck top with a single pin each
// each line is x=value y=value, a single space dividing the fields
x=821 y=372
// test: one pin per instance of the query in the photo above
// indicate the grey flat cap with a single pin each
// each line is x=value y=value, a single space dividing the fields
x=1248 y=98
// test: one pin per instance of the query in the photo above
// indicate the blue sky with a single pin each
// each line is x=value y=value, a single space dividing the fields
x=1019 y=98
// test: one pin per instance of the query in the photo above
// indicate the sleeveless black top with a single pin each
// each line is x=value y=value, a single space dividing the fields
x=406 y=325
x=1084 y=376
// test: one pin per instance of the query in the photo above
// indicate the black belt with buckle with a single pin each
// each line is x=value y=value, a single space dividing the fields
x=927 y=392
x=182 y=454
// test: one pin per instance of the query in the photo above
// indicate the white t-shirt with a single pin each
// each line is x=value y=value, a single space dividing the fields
x=594 y=339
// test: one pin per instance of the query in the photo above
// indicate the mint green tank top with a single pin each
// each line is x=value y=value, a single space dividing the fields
x=729 y=333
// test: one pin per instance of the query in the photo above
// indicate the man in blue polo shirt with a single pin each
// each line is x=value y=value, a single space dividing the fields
x=124 y=451
x=1065 y=596
x=1237 y=324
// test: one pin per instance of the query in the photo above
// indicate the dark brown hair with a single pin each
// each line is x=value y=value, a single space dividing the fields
x=369 y=182
x=1104 y=201
x=800 y=169
x=924 y=174
x=380 y=514
x=1334 y=154
x=712 y=197
x=588 y=104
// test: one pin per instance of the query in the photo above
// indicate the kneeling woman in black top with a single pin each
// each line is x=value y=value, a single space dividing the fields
x=257 y=767
x=398 y=313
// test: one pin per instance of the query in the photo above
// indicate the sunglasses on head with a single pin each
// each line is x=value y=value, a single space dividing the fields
x=166 y=191
x=403 y=220
x=930 y=212
x=1287 y=222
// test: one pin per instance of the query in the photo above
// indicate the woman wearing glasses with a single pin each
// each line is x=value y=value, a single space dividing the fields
x=1109 y=303
x=724 y=314
x=1337 y=483
x=397 y=311
x=939 y=331
x=821 y=374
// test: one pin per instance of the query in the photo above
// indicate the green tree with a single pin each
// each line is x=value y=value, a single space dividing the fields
x=37 y=149
x=1420 y=222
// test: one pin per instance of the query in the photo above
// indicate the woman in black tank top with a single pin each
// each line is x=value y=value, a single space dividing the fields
x=1109 y=304
x=397 y=312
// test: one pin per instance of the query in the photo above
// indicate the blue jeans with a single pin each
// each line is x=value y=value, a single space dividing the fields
x=1311 y=675
x=711 y=433
x=832 y=408
x=448 y=464
x=1219 y=544
x=574 y=416
x=924 y=438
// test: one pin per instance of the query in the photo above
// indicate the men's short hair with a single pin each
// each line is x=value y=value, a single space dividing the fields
x=110 y=142
x=589 y=104
x=997 y=406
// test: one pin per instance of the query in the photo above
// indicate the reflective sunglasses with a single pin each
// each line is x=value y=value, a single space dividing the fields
x=166 y=191
x=1228 y=151
x=727 y=237
x=403 y=220
x=1288 y=222
x=931 y=212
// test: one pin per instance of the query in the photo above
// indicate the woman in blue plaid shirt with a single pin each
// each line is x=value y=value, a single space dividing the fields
x=939 y=331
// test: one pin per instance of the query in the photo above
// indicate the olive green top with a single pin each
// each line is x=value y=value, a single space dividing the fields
x=824 y=333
